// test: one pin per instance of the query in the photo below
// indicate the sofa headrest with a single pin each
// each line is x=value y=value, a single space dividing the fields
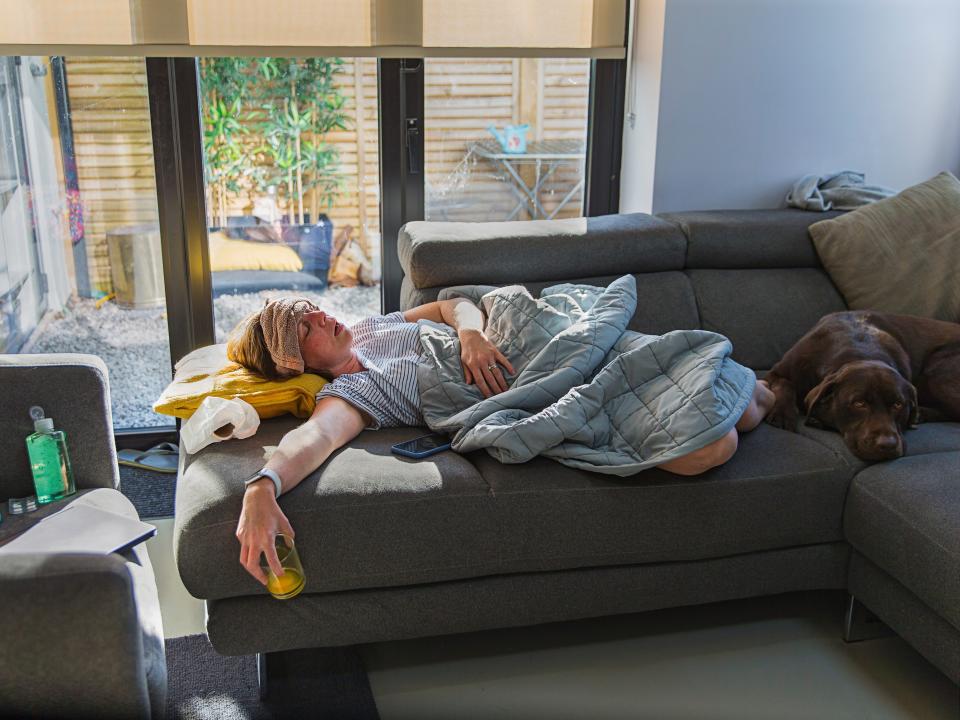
x=437 y=254
x=727 y=239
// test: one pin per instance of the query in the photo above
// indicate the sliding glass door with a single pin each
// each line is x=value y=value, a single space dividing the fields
x=80 y=244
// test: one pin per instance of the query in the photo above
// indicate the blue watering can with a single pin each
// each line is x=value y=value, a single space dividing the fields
x=513 y=139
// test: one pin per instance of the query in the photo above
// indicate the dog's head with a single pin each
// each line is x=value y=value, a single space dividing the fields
x=870 y=404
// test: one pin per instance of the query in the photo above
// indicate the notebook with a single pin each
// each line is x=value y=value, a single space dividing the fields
x=81 y=528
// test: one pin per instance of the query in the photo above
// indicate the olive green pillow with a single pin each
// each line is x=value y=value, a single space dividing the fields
x=899 y=255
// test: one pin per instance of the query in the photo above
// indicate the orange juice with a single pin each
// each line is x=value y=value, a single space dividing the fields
x=285 y=586
x=289 y=584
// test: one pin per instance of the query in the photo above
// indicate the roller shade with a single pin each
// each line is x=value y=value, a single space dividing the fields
x=382 y=28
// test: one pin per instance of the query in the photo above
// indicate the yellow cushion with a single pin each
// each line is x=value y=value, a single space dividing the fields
x=207 y=371
x=229 y=254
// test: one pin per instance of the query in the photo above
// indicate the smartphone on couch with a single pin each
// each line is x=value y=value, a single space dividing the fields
x=423 y=446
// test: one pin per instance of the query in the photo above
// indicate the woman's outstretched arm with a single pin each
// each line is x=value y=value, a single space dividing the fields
x=334 y=423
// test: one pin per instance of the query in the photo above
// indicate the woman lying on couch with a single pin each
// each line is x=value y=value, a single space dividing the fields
x=372 y=368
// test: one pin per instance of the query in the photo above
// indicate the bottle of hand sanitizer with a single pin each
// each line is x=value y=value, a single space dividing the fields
x=49 y=461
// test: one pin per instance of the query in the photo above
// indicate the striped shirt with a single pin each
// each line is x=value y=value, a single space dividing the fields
x=388 y=347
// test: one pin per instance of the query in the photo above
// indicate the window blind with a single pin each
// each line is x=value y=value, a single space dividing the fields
x=381 y=28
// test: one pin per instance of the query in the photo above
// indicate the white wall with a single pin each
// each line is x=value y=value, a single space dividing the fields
x=642 y=105
x=755 y=93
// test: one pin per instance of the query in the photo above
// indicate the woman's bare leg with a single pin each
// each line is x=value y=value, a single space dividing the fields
x=710 y=456
x=760 y=404
x=718 y=452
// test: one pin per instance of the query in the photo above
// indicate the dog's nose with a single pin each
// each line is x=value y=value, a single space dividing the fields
x=886 y=443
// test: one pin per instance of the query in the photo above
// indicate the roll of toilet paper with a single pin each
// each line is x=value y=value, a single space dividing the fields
x=218 y=419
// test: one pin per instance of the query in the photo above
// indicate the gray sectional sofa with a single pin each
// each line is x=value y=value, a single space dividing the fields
x=395 y=548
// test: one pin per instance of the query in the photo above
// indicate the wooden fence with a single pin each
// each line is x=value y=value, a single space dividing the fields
x=114 y=150
x=464 y=96
x=113 y=147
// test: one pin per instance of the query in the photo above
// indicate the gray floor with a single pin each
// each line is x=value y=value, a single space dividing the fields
x=774 y=657
x=778 y=657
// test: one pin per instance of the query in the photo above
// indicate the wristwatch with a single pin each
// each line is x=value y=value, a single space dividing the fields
x=266 y=473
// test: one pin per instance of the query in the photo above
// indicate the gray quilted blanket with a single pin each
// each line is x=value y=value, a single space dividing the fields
x=587 y=392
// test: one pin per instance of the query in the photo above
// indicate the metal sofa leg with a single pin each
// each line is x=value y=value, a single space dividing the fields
x=262 y=675
x=861 y=624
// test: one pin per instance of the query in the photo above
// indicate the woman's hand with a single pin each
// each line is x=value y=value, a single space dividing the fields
x=261 y=520
x=479 y=358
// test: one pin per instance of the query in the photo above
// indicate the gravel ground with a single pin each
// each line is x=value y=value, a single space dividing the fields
x=136 y=348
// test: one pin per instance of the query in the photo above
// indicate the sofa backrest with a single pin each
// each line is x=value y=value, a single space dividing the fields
x=72 y=389
x=752 y=275
x=756 y=278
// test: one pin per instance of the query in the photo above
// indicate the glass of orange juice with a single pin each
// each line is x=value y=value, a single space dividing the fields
x=288 y=585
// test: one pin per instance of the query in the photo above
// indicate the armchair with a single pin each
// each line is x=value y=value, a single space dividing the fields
x=83 y=634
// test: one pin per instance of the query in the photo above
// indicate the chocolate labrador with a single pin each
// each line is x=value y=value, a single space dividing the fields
x=869 y=375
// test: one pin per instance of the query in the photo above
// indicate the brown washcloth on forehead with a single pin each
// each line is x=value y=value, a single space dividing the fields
x=279 y=320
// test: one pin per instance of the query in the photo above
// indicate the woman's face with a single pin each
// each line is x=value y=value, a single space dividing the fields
x=324 y=342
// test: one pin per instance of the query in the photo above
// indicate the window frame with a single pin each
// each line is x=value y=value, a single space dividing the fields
x=605 y=137
x=176 y=125
x=173 y=87
x=402 y=188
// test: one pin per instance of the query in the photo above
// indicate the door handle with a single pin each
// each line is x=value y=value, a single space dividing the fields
x=413 y=136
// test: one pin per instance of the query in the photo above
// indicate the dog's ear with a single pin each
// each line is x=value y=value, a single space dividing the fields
x=912 y=405
x=819 y=395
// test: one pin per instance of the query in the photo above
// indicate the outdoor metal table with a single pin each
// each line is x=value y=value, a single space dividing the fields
x=547 y=156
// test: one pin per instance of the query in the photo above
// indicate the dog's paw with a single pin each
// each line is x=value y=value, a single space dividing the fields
x=783 y=417
x=928 y=414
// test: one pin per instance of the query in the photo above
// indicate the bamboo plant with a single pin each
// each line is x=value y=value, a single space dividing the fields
x=265 y=122
x=225 y=86
x=300 y=105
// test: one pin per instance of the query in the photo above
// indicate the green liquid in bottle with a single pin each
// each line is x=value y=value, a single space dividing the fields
x=50 y=464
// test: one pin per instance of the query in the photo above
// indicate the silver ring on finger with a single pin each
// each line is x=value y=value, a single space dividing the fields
x=491 y=367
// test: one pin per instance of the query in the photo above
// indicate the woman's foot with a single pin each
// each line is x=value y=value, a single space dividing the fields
x=760 y=404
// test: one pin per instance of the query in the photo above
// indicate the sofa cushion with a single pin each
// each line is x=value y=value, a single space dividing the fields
x=366 y=518
x=904 y=516
x=779 y=490
x=898 y=255
x=728 y=239
x=922 y=440
x=207 y=372
x=238 y=282
x=437 y=254
x=763 y=312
